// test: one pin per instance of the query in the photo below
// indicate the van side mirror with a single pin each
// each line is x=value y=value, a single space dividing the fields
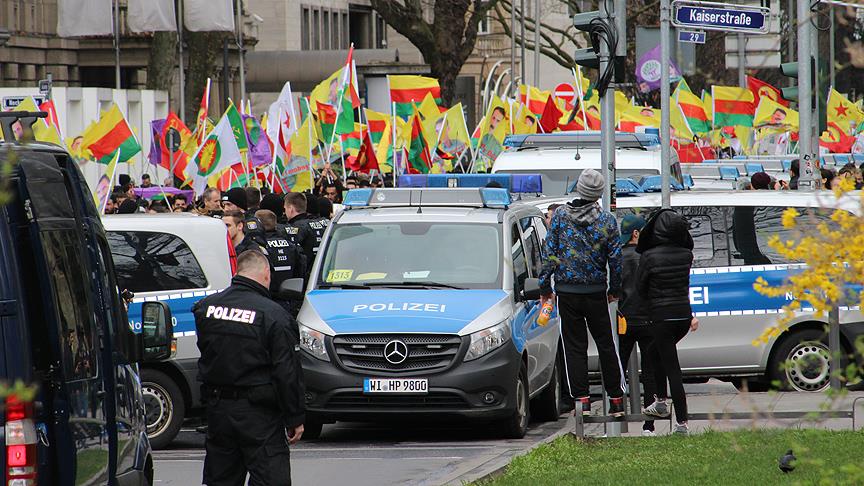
x=157 y=330
x=291 y=289
x=531 y=289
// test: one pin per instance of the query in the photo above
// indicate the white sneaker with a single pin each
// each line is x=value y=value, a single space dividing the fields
x=648 y=433
x=657 y=409
x=681 y=429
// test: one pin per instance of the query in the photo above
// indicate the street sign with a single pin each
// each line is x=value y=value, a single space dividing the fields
x=691 y=36
x=567 y=93
x=720 y=16
x=753 y=60
x=12 y=102
x=45 y=86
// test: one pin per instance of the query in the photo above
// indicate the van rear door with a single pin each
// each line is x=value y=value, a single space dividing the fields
x=66 y=306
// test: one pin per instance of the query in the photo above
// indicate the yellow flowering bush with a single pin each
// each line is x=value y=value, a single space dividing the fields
x=834 y=259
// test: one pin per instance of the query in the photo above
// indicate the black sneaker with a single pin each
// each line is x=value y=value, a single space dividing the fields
x=616 y=407
x=586 y=405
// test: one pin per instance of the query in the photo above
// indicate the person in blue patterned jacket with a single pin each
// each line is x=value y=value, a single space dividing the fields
x=582 y=241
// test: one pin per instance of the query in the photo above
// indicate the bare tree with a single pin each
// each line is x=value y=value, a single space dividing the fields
x=446 y=40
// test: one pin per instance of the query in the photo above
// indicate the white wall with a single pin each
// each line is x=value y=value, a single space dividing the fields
x=78 y=107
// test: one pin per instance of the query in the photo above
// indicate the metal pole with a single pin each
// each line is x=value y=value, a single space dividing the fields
x=182 y=76
x=834 y=348
x=831 y=46
x=814 y=50
x=117 y=44
x=742 y=61
x=536 y=77
x=522 y=37
x=808 y=177
x=513 y=38
x=791 y=43
x=665 y=147
x=225 y=74
x=607 y=162
x=633 y=381
x=240 y=53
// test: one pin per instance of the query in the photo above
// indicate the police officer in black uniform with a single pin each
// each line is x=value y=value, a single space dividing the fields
x=318 y=223
x=299 y=227
x=287 y=259
x=252 y=380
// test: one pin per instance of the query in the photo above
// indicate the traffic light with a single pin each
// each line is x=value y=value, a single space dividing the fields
x=820 y=74
x=588 y=57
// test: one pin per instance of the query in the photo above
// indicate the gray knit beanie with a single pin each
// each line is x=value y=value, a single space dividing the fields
x=590 y=185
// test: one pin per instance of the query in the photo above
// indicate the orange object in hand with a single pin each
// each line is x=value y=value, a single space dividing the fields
x=545 y=313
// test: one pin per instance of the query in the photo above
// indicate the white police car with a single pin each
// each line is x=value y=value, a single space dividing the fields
x=423 y=303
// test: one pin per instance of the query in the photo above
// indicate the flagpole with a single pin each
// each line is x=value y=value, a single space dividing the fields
x=309 y=144
x=182 y=76
x=581 y=95
x=338 y=111
x=117 y=44
x=393 y=130
x=110 y=184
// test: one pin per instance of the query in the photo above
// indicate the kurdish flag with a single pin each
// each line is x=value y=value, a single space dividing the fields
x=533 y=98
x=708 y=104
x=733 y=106
x=419 y=157
x=405 y=90
x=326 y=121
x=236 y=122
x=380 y=133
x=693 y=111
x=109 y=134
x=843 y=113
x=772 y=114
x=218 y=152
x=351 y=141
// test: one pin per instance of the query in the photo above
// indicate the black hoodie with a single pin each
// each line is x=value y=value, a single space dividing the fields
x=663 y=278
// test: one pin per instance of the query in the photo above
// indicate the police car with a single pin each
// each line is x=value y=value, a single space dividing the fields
x=423 y=303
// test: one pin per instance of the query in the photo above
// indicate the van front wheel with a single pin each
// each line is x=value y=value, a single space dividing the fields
x=164 y=407
x=516 y=426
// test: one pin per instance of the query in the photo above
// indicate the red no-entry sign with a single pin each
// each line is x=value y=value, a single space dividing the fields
x=567 y=93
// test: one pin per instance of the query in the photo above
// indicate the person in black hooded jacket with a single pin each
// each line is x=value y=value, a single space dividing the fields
x=663 y=280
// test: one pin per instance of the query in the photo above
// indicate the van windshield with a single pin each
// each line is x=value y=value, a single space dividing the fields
x=413 y=254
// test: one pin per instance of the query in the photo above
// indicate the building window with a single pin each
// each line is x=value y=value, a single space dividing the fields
x=316 y=30
x=380 y=32
x=346 y=35
x=484 y=27
x=325 y=29
x=334 y=30
x=304 y=29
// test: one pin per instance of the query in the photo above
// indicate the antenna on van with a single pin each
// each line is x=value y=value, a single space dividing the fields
x=577 y=156
x=566 y=185
x=420 y=202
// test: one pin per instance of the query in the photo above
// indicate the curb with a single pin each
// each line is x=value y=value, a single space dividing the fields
x=500 y=465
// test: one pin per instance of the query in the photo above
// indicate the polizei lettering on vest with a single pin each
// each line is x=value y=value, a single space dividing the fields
x=280 y=243
x=231 y=314
x=403 y=307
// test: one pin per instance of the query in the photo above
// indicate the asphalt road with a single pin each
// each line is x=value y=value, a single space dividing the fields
x=392 y=454
x=367 y=454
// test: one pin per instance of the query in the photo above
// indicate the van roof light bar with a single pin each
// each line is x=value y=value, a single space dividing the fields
x=482 y=197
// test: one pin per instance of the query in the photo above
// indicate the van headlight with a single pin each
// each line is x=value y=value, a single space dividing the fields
x=485 y=341
x=312 y=342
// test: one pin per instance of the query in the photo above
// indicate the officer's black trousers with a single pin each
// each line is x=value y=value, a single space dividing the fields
x=241 y=438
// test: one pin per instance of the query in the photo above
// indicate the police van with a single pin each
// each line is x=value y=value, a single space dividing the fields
x=64 y=331
x=176 y=259
x=559 y=158
x=731 y=231
x=422 y=303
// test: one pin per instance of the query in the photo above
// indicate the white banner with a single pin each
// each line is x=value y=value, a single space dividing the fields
x=208 y=15
x=151 y=16
x=77 y=18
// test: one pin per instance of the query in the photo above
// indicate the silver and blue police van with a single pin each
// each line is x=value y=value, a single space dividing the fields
x=731 y=232
x=423 y=303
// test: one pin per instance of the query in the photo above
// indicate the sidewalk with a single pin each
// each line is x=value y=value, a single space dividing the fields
x=760 y=405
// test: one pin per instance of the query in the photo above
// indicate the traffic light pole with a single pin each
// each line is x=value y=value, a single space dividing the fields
x=808 y=178
x=665 y=147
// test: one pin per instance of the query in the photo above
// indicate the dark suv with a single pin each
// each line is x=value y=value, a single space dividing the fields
x=64 y=331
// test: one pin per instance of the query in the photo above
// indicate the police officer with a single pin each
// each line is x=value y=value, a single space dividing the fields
x=317 y=221
x=287 y=259
x=252 y=380
x=299 y=227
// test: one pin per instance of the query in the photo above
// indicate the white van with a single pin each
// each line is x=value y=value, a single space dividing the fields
x=559 y=158
x=177 y=259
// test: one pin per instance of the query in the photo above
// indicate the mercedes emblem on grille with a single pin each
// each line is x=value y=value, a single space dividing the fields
x=395 y=352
